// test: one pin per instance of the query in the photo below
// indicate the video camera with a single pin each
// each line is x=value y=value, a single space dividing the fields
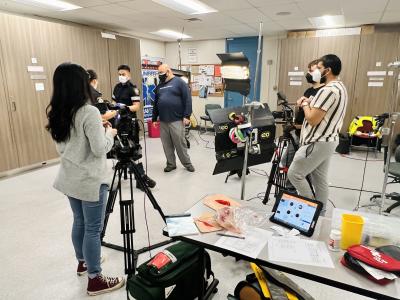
x=126 y=142
x=287 y=113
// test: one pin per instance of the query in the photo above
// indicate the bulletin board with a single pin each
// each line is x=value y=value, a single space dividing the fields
x=206 y=75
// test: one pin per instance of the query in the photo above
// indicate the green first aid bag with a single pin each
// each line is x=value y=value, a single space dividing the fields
x=178 y=272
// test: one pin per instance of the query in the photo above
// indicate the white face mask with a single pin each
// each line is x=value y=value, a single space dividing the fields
x=316 y=75
x=123 y=79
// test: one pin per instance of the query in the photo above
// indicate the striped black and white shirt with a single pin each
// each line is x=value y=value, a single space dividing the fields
x=332 y=99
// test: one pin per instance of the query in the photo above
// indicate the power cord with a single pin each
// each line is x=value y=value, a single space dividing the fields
x=362 y=182
x=259 y=172
x=144 y=194
x=201 y=138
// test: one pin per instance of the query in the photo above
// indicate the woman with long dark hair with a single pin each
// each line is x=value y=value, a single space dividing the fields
x=82 y=142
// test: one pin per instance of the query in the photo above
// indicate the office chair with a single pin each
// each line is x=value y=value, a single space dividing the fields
x=206 y=118
x=394 y=175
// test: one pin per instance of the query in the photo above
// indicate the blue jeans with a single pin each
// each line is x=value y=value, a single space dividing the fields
x=86 y=230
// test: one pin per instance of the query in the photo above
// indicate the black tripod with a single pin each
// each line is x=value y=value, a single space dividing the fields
x=123 y=168
x=278 y=175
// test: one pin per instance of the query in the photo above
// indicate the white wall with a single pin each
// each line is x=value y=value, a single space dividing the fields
x=270 y=70
x=152 y=48
x=206 y=54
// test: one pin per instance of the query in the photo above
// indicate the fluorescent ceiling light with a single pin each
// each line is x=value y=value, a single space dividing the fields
x=328 y=21
x=188 y=7
x=50 y=4
x=171 y=34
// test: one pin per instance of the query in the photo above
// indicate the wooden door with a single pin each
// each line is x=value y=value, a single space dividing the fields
x=28 y=115
x=347 y=49
x=375 y=49
x=296 y=53
x=125 y=50
x=8 y=153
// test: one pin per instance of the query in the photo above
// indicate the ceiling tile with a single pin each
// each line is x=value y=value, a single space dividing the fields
x=267 y=27
x=88 y=3
x=248 y=15
x=225 y=5
x=363 y=6
x=313 y=8
x=357 y=19
x=261 y=3
x=391 y=17
x=243 y=29
x=271 y=11
x=115 y=10
x=295 y=24
x=394 y=5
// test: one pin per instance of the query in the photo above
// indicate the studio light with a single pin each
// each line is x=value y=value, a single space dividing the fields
x=236 y=72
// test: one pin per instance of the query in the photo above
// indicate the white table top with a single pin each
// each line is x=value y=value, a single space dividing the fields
x=340 y=277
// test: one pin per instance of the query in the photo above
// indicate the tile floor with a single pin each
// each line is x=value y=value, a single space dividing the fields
x=37 y=258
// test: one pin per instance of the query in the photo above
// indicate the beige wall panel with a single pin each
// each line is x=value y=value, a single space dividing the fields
x=125 y=50
x=8 y=153
x=27 y=119
x=377 y=47
x=296 y=52
x=347 y=49
x=51 y=44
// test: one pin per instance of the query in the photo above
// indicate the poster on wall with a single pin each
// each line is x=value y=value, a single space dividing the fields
x=149 y=83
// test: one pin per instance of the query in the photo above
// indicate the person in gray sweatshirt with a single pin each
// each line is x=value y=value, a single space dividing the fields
x=82 y=141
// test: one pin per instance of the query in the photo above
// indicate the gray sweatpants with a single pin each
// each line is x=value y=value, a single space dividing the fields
x=173 y=138
x=312 y=159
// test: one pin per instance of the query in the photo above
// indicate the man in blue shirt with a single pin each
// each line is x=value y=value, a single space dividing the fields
x=173 y=106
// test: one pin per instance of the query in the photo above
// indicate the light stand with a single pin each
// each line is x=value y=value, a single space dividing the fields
x=390 y=133
x=393 y=119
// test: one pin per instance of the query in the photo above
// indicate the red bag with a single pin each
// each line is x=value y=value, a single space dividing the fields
x=374 y=258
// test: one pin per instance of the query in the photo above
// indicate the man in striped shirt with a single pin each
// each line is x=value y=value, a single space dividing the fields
x=319 y=137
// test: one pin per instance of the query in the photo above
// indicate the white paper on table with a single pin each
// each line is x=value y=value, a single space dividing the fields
x=376 y=273
x=375 y=83
x=35 y=69
x=295 y=83
x=299 y=251
x=255 y=240
x=211 y=90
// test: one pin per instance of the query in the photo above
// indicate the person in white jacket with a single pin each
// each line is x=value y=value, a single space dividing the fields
x=82 y=142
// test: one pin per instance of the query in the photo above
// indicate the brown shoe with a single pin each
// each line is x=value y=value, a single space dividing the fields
x=102 y=284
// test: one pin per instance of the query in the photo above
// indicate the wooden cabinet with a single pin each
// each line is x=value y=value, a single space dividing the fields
x=296 y=53
x=24 y=139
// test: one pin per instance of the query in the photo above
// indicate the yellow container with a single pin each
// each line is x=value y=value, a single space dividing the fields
x=352 y=227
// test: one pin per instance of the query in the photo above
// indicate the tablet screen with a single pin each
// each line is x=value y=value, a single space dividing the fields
x=295 y=212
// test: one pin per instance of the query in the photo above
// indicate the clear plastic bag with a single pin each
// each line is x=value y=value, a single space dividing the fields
x=237 y=219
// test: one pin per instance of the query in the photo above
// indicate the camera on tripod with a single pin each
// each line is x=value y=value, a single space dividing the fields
x=126 y=142
x=286 y=115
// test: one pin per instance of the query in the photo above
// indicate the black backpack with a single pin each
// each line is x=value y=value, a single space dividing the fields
x=176 y=280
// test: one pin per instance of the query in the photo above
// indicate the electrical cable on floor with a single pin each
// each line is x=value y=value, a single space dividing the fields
x=362 y=182
x=259 y=172
x=200 y=137
x=144 y=194
x=353 y=158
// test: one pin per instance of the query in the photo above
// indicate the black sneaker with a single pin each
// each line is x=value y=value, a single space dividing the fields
x=150 y=182
x=169 y=169
x=190 y=168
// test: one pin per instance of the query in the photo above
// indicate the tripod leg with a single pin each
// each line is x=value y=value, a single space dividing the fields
x=111 y=199
x=127 y=231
